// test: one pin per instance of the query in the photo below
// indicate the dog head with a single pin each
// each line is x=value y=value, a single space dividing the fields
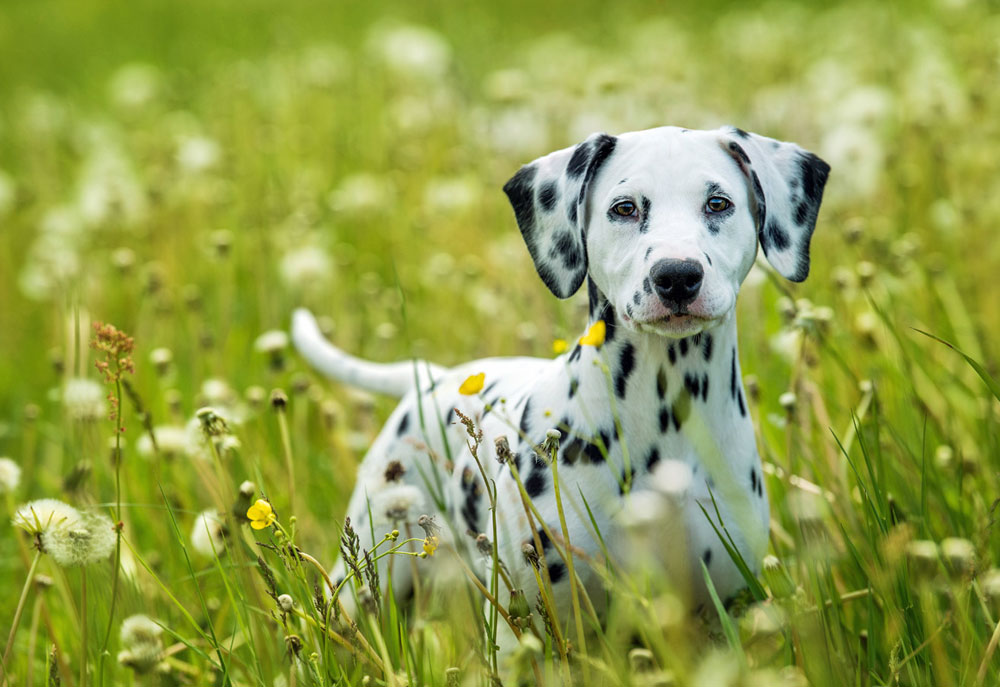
x=666 y=222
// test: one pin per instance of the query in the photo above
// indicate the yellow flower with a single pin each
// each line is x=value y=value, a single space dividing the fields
x=261 y=515
x=430 y=545
x=559 y=346
x=594 y=335
x=473 y=385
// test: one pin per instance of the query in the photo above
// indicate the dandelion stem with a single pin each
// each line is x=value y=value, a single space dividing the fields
x=286 y=446
x=574 y=592
x=18 y=611
x=83 y=626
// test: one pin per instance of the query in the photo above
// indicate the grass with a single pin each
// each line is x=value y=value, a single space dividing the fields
x=192 y=177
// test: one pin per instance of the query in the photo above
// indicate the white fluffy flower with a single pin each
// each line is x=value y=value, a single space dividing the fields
x=198 y=153
x=10 y=475
x=397 y=504
x=172 y=440
x=413 y=51
x=84 y=399
x=306 y=267
x=272 y=341
x=208 y=535
x=89 y=541
x=46 y=514
x=142 y=646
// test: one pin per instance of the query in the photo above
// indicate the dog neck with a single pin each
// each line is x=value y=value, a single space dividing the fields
x=674 y=395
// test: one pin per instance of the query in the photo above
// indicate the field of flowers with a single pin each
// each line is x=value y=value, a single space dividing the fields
x=175 y=180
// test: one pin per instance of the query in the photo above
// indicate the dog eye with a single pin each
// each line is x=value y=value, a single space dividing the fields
x=717 y=204
x=625 y=208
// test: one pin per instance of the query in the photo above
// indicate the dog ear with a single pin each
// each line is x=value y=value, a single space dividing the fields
x=787 y=184
x=549 y=197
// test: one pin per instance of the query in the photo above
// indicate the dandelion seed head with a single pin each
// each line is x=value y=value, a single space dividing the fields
x=398 y=503
x=84 y=400
x=271 y=342
x=10 y=475
x=89 y=541
x=306 y=268
x=46 y=514
x=208 y=534
x=142 y=643
x=172 y=441
x=411 y=51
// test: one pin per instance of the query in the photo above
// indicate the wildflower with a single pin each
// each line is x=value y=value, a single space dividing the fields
x=88 y=541
x=559 y=346
x=286 y=603
x=208 y=535
x=411 y=51
x=83 y=399
x=959 y=555
x=473 y=384
x=198 y=153
x=787 y=401
x=306 y=268
x=142 y=647
x=273 y=343
x=43 y=515
x=430 y=545
x=595 y=335
x=10 y=475
x=398 y=502
x=261 y=515
x=171 y=440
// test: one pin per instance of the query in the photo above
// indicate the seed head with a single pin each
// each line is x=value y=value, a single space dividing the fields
x=430 y=528
x=777 y=578
x=209 y=533
x=286 y=603
x=484 y=545
x=90 y=541
x=502 y=447
x=530 y=554
x=142 y=646
x=959 y=555
x=37 y=517
x=10 y=475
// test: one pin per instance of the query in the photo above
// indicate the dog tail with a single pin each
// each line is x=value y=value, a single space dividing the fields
x=392 y=379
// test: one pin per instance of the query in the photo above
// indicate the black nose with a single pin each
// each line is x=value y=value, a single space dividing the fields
x=677 y=282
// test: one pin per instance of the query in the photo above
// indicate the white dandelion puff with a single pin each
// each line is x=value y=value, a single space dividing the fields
x=411 y=51
x=208 y=535
x=89 y=541
x=10 y=475
x=198 y=154
x=42 y=515
x=306 y=268
x=84 y=399
x=142 y=644
x=172 y=440
x=397 y=504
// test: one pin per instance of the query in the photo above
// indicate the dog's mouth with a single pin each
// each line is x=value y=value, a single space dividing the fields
x=674 y=325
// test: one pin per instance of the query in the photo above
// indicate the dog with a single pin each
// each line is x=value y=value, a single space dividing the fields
x=663 y=226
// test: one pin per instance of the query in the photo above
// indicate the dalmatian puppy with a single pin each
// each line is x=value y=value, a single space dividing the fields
x=662 y=226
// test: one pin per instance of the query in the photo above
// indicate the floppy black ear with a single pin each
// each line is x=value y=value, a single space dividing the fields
x=549 y=199
x=787 y=184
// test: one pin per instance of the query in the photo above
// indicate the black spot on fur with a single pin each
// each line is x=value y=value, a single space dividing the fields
x=594 y=297
x=543 y=539
x=644 y=222
x=536 y=482
x=683 y=344
x=557 y=571
x=708 y=258
x=626 y=364
x=574 y=384
x=404 y=423
x=740 y=132
x=753 y=479
x=672 y=354
x=572 y=451
x=814 y=173
x=627 y=480
x=661 y=383
x=648 y=251
x=707 y=557
x=548 y=195
x=758 y=192
x=575 y=353
x=704 y=387
x=664 y=419
x=737 y=149
x=571 y=212
x=450 y=416
x=610 y=322
x=692 y=384
x=774 y=236
x=520 y=192
x=647 y=286
x=593 y=451
x=470 y=510
x=578 y=162
x=567 y=249
x=801 y=214
x=732 y=376
x=653 y=458
x=394 y=471
x=743 y=408
x=636 y=298
x=525 y=423
x=706 y=348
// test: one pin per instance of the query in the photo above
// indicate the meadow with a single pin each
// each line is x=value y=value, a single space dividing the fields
x=190 y=175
